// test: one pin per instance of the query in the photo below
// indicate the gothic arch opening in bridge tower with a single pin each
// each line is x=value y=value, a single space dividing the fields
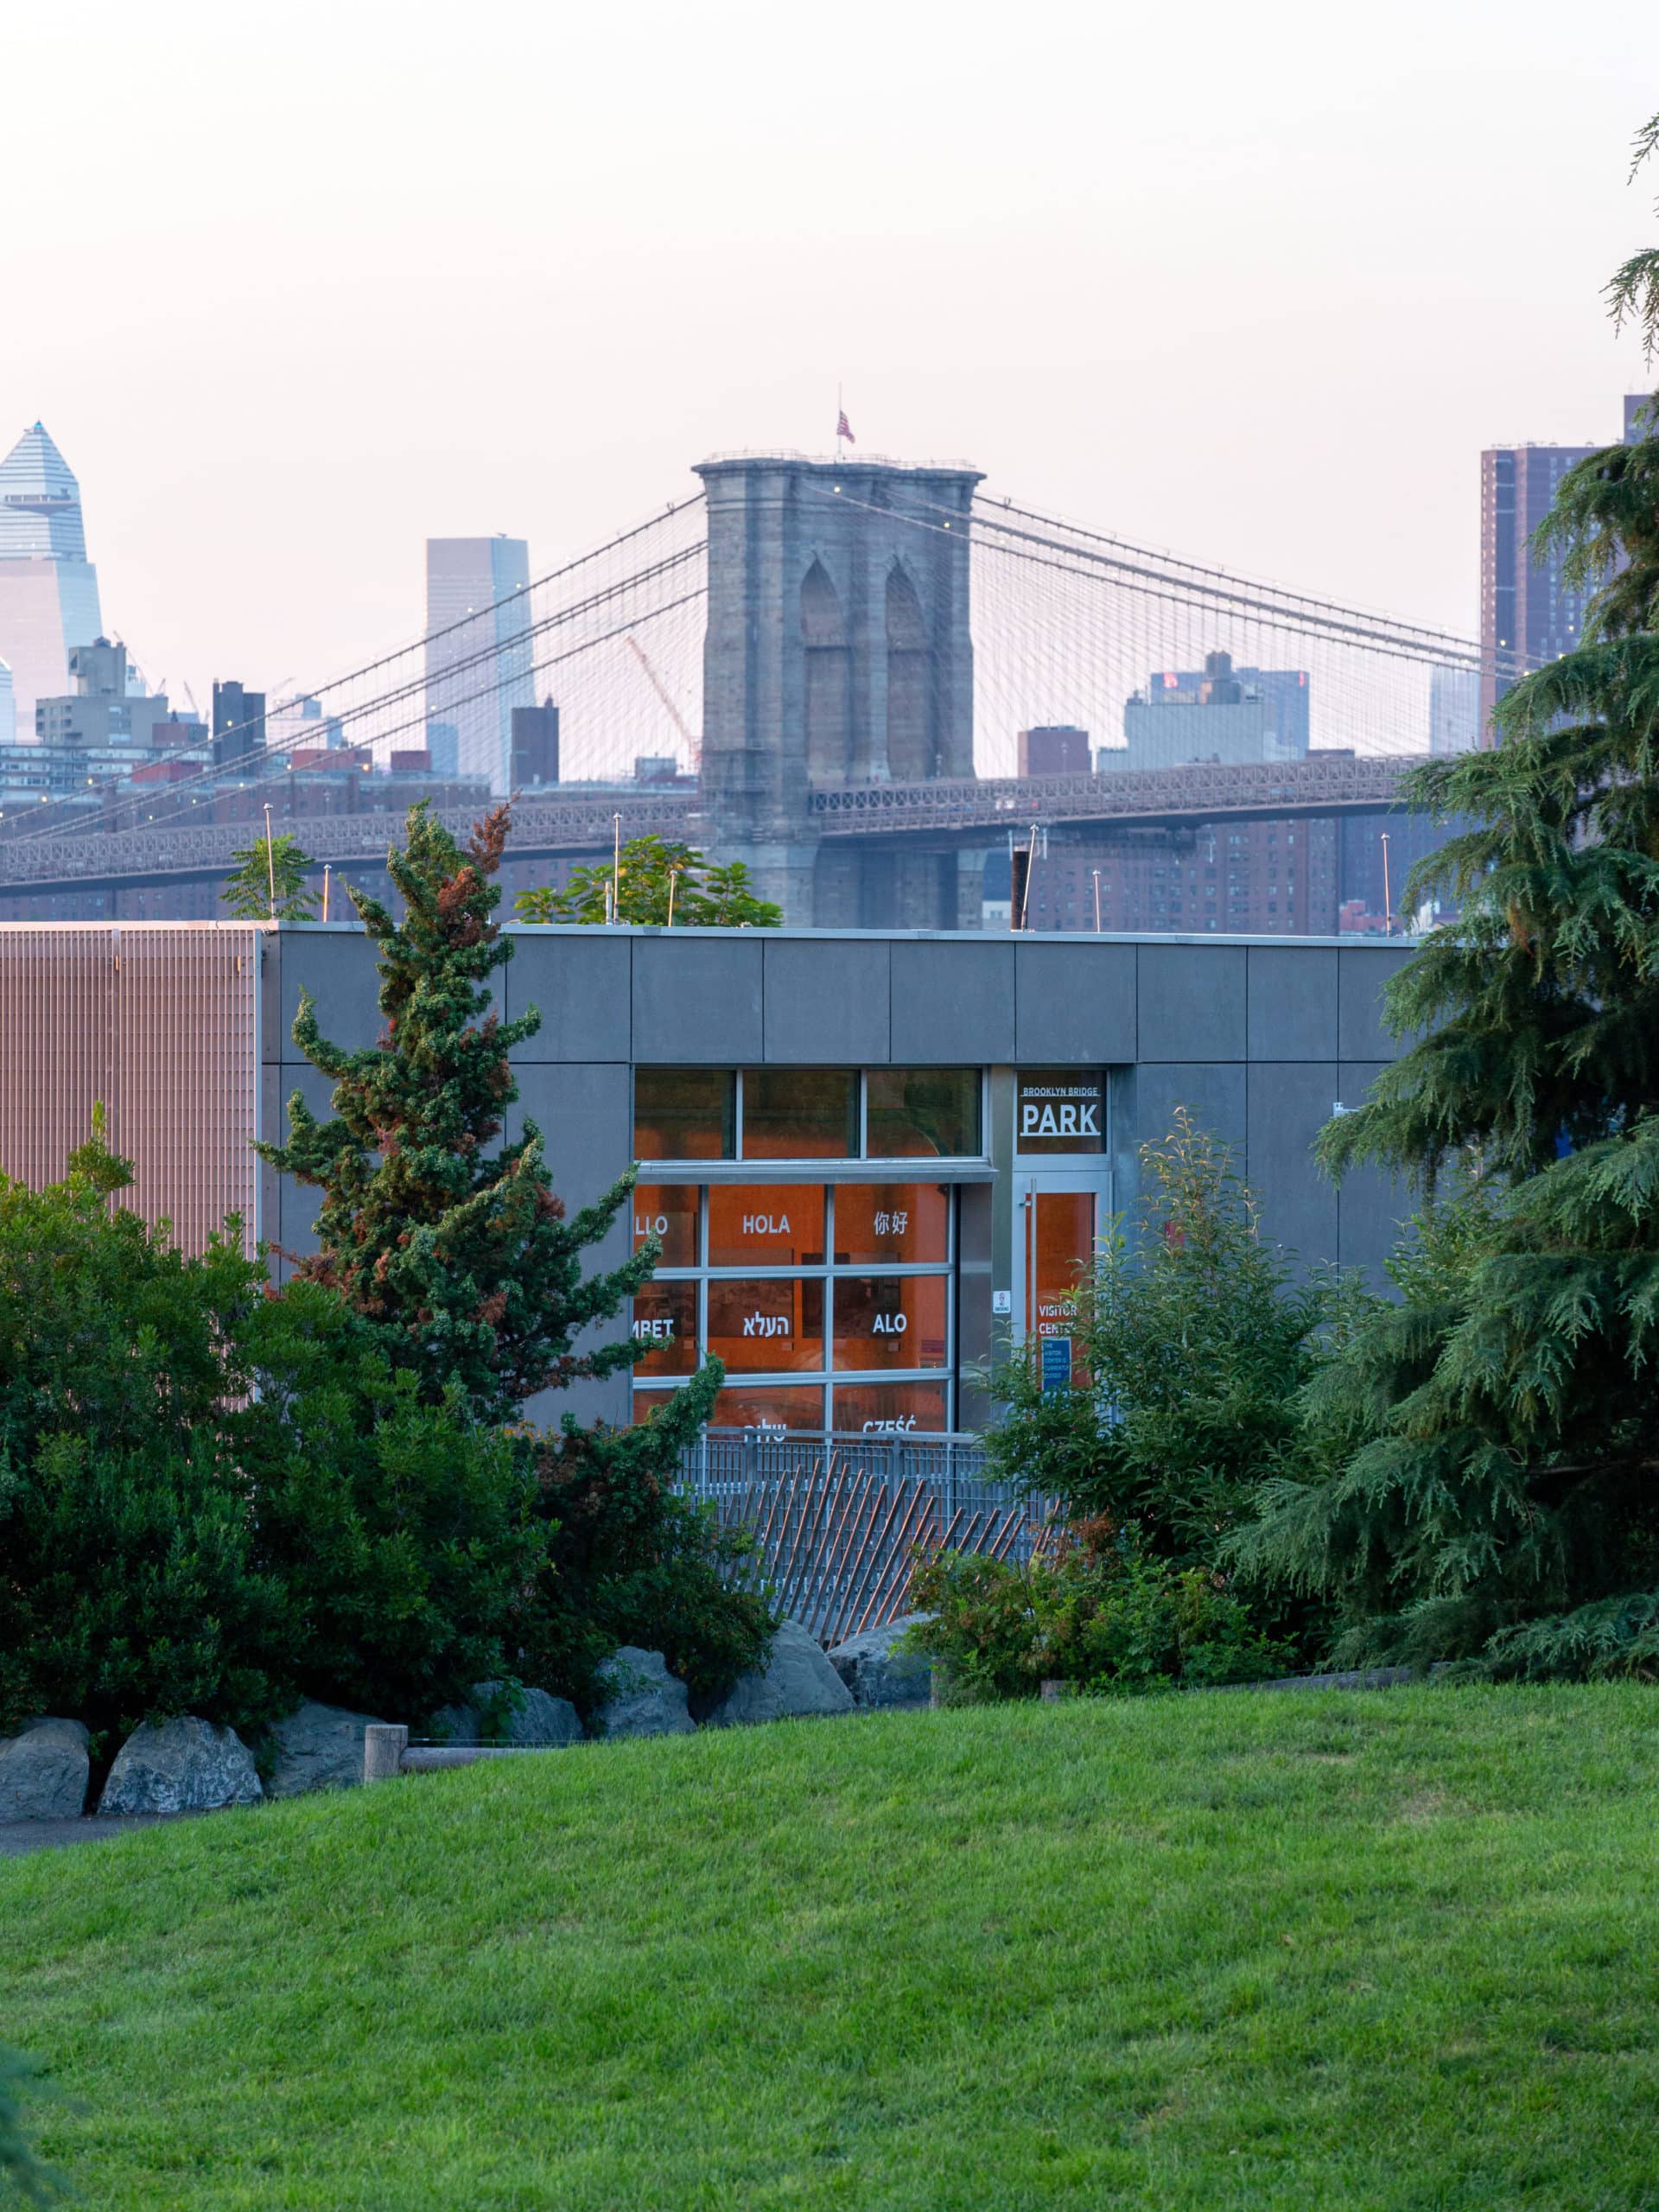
x=827 y=716
x=912 y=751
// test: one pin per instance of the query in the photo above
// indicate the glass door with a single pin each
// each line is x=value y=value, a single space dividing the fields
x=1060 y=1216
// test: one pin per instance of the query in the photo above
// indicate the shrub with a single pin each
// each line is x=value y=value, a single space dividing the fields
x=1104 y=1614
x=129 y=1587
x=405 y=1533
x=1192 y=1343
x=633 y=1562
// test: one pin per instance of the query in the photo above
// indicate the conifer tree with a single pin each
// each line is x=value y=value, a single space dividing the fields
x=1504 y=1506
x=460 y=1254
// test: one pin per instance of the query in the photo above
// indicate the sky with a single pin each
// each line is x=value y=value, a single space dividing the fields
x=295 y=288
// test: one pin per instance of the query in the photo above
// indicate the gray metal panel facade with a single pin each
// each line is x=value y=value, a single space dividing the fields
x=1258 y=1040
x=953 y=1001
x=1075 y=1003
x=1191 y=1002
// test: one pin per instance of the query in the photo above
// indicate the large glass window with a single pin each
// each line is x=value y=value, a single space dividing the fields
x=765 y=1224
x=665 y=1317
x=772 y=1412
x=888 y=1408
x=768 y=1325
x=800 y=1114
x=684 y=1114
x=921 y=1113
x=808 y=1114
x=667 y=1211
x=878 y=1222
x=889 y=1321
x=806 y=1281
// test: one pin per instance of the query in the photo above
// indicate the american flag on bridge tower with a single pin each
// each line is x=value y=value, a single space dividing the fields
x=844 y=428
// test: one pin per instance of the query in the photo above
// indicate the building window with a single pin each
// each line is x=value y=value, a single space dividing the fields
x=780 y=1114
x=922 y=1113
x=684 y=1114
x=800 y=1114
x=831 y=1306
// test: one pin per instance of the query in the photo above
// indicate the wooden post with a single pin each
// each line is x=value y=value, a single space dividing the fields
x=384 y=1746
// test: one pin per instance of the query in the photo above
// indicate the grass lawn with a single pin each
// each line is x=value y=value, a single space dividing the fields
x=1387 y=1950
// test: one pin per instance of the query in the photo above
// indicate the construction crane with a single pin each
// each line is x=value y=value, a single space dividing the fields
x=693 y=744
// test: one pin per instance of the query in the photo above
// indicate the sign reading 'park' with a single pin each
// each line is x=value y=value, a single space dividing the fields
x=1061 y=1109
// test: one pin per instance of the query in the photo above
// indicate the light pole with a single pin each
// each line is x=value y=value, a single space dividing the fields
x=270 y=862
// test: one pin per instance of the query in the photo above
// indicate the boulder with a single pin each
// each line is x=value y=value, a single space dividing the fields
x=796 y=1680
x=318 y=1747
x=43 y=1771
x=640 y=1697
x=876 y=1673
x=184 y=1765
x=539 y=1722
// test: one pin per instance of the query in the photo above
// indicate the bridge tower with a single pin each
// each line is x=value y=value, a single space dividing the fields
x=837 y=652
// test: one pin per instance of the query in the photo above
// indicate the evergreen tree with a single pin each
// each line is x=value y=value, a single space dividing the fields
x=1192 y=1344
x=653 y=872
x=268 y=885
x=460 y=1255
x=1503 y=1505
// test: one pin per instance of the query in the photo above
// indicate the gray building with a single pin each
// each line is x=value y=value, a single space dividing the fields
x=1219 y=712
x=106 y=705
x=871 y=1159
x=838 y=652
x=48 y=588
x=1529 y=612
x=479 y=654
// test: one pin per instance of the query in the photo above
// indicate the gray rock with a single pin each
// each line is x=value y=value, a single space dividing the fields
x=876 y=1673
x=185 y=1765
x=641 y=1698
x=797 y=1681
x=539 y=1722
x=318 y=1747
x=43 y=1771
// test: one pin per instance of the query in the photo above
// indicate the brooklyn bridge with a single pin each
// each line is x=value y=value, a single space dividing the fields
x=837 y=671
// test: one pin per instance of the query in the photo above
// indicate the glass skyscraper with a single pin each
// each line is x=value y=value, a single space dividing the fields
x=48 y=588
x=479 y=652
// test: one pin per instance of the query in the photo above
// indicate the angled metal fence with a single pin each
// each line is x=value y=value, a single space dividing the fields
x=839 y=1524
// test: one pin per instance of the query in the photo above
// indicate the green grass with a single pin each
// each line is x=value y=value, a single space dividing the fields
x=1390 y=1950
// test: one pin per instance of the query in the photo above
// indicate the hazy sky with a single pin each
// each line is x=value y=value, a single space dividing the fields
x=295 y=287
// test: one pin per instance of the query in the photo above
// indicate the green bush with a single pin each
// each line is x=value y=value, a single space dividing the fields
x=405 y=1535
x=1104 y=1615
x=129 y=1586
x=631 y=1562
x=1192 y=1344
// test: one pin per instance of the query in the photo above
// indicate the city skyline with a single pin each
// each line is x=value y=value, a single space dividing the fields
x=495 y=342
x=48 y=588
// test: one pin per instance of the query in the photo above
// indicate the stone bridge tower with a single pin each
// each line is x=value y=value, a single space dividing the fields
x=837 y=652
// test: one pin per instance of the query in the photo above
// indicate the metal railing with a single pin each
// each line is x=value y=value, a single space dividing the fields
x=839 y=1524
x=1201 y=789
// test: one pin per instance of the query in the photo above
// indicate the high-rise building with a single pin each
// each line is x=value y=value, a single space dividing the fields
x=48 y=588
x=1219 y=713
x=109 y=706
x=239 y=726
x=479 y=652
x=299 y=725
x=1058 y=749
x=1529 y=612
x=7 y=706
x=1453 y=709
x=534 y=747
